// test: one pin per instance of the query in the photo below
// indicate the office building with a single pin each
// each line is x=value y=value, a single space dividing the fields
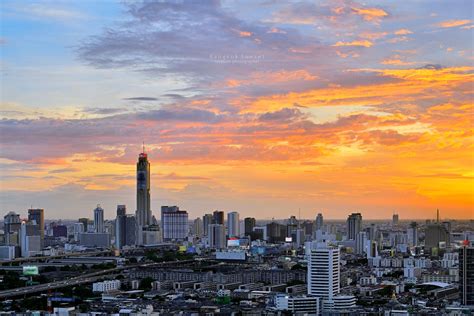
x=297 y=305
x=354 y=225
x=11 y=228
x=125 y=228
x=206 y=221
x=174 y=223
x=361 y=241
x=198 y=228
x=319 y=222
x=121 y=210
x=99 y=219
x=36 y=215
x=94 y=240
x=216 y=235
x=249 y=224
x=395 y=219
x=412 y=234
x=218 y=217
x=30 y=239
x=466 y=274
x=436 y=236
x=78 y=228
x=152 y=235
x=60 y=231
x=233 y=224
x=85 y=223
x=323 y=278
x=143 y=214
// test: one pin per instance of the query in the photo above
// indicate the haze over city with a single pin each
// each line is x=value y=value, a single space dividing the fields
x=268 y=109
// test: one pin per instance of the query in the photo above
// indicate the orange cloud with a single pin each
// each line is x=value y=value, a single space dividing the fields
x=370 y=14
x=362 y=43
x=453 y=23
x=272 y=77
x=402 y=32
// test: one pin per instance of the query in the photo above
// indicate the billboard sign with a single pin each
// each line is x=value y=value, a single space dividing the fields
x=30 y=270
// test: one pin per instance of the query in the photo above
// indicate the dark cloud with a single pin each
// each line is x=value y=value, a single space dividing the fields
x=140 y=99
x=104 y=110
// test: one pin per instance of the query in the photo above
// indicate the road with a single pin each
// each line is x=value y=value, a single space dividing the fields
x=85 y=278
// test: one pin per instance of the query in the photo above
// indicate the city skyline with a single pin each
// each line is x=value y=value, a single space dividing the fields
x=271 y=109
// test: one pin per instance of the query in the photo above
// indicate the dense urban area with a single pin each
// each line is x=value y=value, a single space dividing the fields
x=218 y=265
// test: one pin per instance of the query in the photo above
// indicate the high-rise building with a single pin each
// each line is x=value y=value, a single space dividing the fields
x=354 y=225
x=395 y=219
x=216 y=236
x=323 y=272
x=198 y=227
x=319 y=222
x=174 y=223
x=37 y=215
x=361 y=240
x=85 y=223
x=206 y=221
x=30 y=239
x=125 y=228
x=435 y=235
x=412 y=233
x=466 y=274
x=78 y=229
x=11 y=228
x=218 y=217
x=143 y=213
x=233 y=224
x=121 y=210
x=249 y=224
x=99 y=219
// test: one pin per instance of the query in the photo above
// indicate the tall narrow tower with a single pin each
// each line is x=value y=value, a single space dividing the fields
x=143 y=213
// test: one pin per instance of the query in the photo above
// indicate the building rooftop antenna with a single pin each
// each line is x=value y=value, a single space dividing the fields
x=143 y=151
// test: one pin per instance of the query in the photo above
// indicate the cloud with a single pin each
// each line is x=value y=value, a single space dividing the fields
x=45 y=11
x=370 y=14
x=402 y=32
x=362 y=43
x=453 y=23
x=140 y=99
x=103 y=111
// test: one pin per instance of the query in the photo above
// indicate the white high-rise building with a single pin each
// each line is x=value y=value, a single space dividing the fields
x=361 y=243
x=233 y=224
x=99 y=219
x=324 y=272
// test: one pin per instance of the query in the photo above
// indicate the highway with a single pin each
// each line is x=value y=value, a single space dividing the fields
x=85 y=278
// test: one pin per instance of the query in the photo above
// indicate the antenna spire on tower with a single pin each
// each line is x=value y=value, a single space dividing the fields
x=143 y=151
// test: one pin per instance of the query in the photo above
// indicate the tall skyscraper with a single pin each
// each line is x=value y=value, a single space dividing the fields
x=143 y=213
x=218 y=217
x=466 y=274
x=249 y=224
x=99 y=219
x=121 y=210
x=354 y=225
x=37 y=215
x=30 y=239
x=324 y=272
x=412 y=233
x=206 y=221
x=11 y=228
x=174 y=223
x=233 y=224
x=125 y=228
x=361 y=240
x=216 y=236
x=198 y=227
x=319 y=222
x=395 y=219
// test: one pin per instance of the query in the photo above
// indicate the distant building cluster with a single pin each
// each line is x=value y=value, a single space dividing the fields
x=297 y=266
